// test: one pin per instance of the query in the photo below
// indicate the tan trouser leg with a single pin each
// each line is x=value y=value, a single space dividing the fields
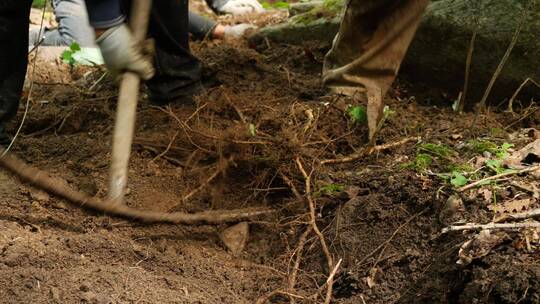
x=368 y=50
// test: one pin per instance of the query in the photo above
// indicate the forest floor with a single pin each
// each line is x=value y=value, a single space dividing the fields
x=262 y=135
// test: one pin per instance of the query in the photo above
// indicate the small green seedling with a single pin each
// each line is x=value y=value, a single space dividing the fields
x=438 y=150
x=358 y=114
x=480 y=146
x=67 y=55
x=458 y=179
x=330 y=189
x=421 y=163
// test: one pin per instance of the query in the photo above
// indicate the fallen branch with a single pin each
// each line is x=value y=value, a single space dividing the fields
x=368 y=151
x=43 y=181
x=491 y=226
x=498 y=176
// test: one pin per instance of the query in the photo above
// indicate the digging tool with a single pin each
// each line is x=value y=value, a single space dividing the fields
x=125 y=113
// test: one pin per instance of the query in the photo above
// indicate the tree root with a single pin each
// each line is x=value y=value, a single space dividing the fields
x=43 y=181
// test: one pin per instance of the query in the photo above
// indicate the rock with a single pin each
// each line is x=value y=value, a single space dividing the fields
x=438 y=53
x=452 y=210
x=235 y=237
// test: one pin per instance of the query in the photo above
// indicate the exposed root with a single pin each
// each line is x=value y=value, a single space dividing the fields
x=368 y=151
x=42 y=180
x=313 y=222
x=298 y=260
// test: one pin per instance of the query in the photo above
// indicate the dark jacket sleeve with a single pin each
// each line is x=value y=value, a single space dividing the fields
x=200 y=27
x=104 y=13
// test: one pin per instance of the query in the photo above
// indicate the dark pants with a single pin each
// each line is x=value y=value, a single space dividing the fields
x=178 y=72
x=13 y=56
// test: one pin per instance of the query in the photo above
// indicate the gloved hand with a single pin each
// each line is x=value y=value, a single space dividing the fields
x=121 y=53
x=240 y=7
x=237 y=31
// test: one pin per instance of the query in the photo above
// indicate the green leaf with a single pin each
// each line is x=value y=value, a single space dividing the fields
x=67 y=57
x=495 y=165
x=75 y=47
x=502 y=152
x=330 y=189
x=458 y=180
x=357 y=114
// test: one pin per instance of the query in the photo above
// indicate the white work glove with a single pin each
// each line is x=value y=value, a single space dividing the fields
x=121 y=53
x=237 y=31
x=240 y=7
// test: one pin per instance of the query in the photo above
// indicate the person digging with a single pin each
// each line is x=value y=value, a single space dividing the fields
x=366 y=53
x=73 y=25
x=174 y=76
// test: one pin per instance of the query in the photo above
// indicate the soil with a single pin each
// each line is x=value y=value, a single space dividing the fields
x=263 y=112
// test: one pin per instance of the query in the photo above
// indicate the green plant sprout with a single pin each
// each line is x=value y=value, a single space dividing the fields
x=357 y=114
x=67 y=55
x=329 y=189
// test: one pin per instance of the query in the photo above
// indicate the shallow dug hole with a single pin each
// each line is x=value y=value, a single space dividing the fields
x=263 y=115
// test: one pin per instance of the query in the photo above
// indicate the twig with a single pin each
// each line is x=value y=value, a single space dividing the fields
x=97 y=82
x=196 y=112
x=299 y=251
x=41 y=180
x=331 y=276
x=368 y=151
x=498 y=176
x=506 y=56
x=491 y=226
x=290 y=183
x=318 y=232
x=529 y=113
x=238 y=112
x=511 y=102
x=166 y=149
x=467 y=71
x=220 y=170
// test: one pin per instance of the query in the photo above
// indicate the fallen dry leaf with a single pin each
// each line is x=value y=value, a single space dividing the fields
x=528 y=155
x=480 y=246
x=512 y=206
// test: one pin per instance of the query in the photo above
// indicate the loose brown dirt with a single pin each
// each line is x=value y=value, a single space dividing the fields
x=264 y=112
